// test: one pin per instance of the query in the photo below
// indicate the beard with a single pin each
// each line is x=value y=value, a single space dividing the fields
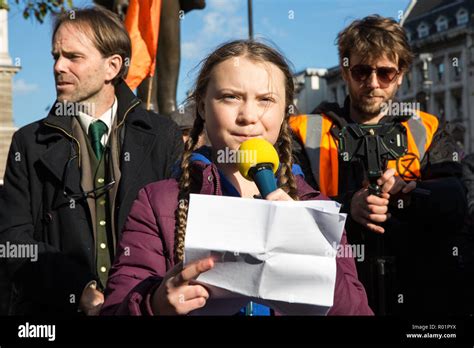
x=77 y=92
x=369 y=109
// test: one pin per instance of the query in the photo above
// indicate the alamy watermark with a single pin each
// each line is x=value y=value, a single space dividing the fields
x=37 y=331
x=66 y=108
x=20 y=251
x=356 y=251
x=393 y=108
x=236 y=156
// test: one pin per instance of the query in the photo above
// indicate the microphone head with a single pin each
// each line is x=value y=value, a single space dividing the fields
x=256 y=151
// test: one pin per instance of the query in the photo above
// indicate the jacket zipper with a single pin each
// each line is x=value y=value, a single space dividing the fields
x=69 y=135
x=120 y=125
x=217 y=180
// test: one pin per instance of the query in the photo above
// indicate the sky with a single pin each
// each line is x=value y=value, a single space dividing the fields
x=303 y=30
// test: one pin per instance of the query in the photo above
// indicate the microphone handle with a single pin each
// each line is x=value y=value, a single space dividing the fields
x=262 y=175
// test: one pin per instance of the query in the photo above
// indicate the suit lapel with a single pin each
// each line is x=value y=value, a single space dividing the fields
x=62 y=151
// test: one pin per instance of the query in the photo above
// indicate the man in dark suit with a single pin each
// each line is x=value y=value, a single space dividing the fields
x=71 y=177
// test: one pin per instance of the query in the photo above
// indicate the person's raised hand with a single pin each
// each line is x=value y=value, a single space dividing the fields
x=176 y=295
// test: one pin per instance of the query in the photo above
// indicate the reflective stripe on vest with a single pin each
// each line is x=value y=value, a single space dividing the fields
x=321 y=149
x=322 y=152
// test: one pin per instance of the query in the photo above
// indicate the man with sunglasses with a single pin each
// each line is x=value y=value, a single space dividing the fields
x=396 y=225
x=72 y=177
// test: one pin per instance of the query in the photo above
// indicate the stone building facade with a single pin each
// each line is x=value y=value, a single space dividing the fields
x=7 y=70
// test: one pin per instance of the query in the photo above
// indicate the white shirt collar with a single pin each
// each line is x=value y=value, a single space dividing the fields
x=107 y=117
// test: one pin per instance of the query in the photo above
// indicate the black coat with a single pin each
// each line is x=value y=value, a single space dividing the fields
x=34 y=210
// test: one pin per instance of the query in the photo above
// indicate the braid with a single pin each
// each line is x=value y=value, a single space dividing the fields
x=184 y=189
x=286 y=178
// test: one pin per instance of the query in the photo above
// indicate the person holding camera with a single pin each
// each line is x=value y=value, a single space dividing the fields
x=405 y=234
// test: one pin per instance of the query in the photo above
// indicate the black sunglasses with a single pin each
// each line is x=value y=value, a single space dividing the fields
x=96 y=193
x=385 y=74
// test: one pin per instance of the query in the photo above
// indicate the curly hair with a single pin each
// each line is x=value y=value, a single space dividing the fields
x=372 y=37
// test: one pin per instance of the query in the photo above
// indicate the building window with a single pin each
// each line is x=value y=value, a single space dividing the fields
x=457 y=106
x=407 y=82
x=440 y=71
x=441 y=23
x=439 y=101
x=457 y=71
x=462 y=16
x=423 y=30
x=457 y=101
x=334 y=94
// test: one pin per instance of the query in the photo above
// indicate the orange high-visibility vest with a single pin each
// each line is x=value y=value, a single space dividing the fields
x=322 y=148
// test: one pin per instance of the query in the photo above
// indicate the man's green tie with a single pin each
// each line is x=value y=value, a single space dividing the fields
x=96 y=131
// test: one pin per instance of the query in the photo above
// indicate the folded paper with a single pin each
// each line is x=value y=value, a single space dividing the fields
x=281 y=254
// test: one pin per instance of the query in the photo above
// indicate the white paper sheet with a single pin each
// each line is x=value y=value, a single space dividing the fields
x=280 y=254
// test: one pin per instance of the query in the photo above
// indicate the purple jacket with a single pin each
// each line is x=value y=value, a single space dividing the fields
x=145 y=252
